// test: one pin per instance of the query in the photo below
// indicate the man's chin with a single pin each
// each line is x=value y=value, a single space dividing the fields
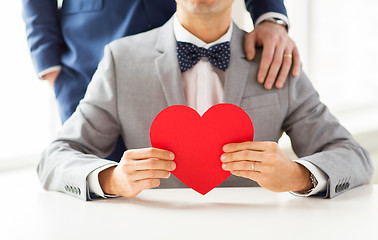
x=204 y=7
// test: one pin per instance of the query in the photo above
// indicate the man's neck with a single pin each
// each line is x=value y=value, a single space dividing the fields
x=208 y=28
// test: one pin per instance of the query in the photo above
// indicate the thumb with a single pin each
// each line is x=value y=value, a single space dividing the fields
x=250 y=45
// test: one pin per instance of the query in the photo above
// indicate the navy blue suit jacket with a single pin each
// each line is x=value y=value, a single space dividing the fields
x=75 y=35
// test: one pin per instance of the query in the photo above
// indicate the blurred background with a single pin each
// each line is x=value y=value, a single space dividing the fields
x=337 y=41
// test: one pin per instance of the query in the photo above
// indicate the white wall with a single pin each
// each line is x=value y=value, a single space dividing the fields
x=26 y=109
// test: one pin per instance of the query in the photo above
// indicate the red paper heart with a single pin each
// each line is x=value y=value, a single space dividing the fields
x=197 y=141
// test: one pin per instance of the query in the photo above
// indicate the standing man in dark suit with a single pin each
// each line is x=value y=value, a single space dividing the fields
x=66 y=43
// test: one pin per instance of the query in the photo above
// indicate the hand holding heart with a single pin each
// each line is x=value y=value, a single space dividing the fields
x=138 y=169
x=197 y=142
x=141 y=169
x=272 y=169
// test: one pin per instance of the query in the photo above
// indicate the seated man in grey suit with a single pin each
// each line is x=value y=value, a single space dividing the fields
x=141 y=75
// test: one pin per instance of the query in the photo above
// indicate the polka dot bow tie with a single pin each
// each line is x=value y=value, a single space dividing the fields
x=189 y=54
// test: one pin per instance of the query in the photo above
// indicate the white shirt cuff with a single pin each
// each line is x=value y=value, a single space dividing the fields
x=94 y=184
x=320 y=176
x=270 y=15
x=49 y=70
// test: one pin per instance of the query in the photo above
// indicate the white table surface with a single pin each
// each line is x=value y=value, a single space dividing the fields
x=29 y=212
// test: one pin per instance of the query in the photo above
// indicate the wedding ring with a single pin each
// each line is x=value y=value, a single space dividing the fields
x=253 y=166
x=288 y=55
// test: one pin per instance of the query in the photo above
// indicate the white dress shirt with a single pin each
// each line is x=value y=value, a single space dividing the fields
x=203 y=83
x=203 y=87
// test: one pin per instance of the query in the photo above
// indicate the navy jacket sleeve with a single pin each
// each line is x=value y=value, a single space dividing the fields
x=258 y=7
x=43 y=32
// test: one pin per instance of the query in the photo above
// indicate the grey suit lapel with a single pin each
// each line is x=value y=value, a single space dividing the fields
x=167 y=66
x=170 y=75
x=238 y=70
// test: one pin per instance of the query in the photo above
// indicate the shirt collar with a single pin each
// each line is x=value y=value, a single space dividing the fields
x=183 y=35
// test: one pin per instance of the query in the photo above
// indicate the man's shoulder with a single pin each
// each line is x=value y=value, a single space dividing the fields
x=136 y=41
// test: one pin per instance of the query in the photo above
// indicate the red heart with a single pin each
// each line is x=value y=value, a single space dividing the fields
x=197 y=141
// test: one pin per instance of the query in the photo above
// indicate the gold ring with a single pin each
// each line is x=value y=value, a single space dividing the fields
x=253 y=166
x=288 y=55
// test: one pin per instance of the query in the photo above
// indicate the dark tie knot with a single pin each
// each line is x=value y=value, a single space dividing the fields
x=203 y=52
x=189 y=54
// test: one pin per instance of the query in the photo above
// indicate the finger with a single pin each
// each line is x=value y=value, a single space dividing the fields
x=274 y=67
x=153 y=164
x=255 y=176
x=147 y=183
x=296 y=62
x=257 y=146
x=146 y=174
x=285 y=68
x=243 y=166
x=144 y=153
x=243 y=155
x=250 y=45
x=266 y=60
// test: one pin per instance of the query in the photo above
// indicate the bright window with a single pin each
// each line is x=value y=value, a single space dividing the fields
x=26 y=118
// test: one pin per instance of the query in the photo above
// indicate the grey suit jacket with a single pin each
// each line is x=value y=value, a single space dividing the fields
x=139 y=76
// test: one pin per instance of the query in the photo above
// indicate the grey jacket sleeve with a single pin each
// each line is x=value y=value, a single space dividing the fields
x=319 y=138
x=88 y=137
